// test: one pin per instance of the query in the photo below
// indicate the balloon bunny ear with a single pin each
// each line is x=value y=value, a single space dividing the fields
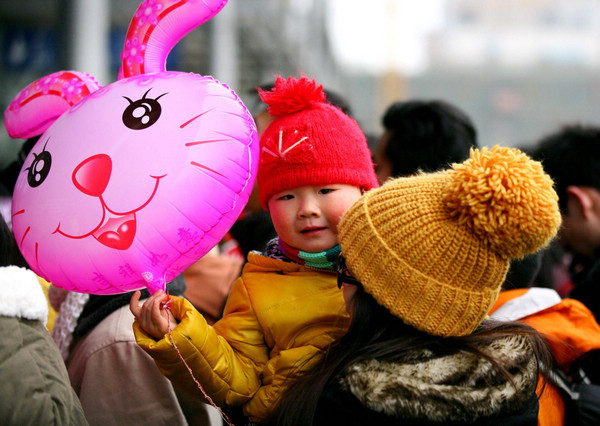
x=157 y=27
x=40 y=104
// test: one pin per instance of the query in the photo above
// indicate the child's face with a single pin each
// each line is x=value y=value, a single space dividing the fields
x=307 y=217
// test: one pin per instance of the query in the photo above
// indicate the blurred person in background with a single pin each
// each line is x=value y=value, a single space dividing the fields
x=423 y=135
x=571 y=155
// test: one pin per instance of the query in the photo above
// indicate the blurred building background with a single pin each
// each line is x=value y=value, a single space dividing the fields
x=520 y=68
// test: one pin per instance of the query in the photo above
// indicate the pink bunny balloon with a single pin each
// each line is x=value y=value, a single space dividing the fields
x=132 y=182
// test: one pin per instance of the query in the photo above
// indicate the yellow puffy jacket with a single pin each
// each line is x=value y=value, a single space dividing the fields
x=277 y=317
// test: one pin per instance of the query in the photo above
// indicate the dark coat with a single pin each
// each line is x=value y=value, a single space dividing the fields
x=35 y=387
x=587 y=291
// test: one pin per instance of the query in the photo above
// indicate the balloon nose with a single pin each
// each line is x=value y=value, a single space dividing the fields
x=91 y=176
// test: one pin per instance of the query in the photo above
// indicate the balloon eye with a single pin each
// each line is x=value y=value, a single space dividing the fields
x=142 y=113
x=39 y=169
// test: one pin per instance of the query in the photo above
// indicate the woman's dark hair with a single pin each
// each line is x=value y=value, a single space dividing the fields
x=374 y=333
x=9 y=251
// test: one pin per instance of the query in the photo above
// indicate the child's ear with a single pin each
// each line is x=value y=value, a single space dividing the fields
x=580 y=202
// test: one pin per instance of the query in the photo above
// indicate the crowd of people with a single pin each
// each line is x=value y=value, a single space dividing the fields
x=431 y=281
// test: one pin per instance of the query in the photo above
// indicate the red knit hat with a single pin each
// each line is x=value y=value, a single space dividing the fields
x=309 y=142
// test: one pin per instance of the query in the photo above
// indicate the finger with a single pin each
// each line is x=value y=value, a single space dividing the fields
x=159 y=314
x=155 y=299
x=147 y=311
x=149 y=303
x=134 y=306
x=158 y=304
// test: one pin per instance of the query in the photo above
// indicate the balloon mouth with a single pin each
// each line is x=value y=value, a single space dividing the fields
x=118 y=232
x=119 y=229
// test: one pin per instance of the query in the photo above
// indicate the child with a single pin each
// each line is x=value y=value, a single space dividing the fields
x=285 y=308
x=429 y=254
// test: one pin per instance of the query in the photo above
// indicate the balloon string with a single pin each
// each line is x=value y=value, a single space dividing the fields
x=166 y=305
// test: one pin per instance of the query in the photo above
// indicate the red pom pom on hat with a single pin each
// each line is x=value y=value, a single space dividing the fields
x=292 y=95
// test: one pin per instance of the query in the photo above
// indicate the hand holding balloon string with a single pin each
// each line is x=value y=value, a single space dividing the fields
x=156 y=319
x=154 y=315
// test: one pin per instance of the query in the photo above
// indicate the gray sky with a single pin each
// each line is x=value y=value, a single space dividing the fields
x=380 y=35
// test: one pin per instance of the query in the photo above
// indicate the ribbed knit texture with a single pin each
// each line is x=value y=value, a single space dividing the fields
x=310 y=142
x=434 y=248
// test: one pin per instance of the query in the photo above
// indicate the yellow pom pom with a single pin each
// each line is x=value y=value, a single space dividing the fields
x=506 y=199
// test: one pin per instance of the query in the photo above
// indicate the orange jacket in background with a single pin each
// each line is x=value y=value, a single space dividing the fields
x=569 y=327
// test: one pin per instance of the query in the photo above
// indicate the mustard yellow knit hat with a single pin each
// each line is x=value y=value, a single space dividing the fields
x=434 y=248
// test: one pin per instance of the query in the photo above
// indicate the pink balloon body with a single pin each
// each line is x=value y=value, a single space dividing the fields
x=135 y=182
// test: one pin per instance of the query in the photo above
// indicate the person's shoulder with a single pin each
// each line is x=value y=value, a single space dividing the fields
x=113 y=330
x=22 y=338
